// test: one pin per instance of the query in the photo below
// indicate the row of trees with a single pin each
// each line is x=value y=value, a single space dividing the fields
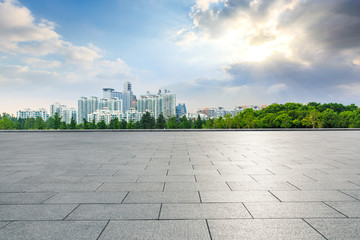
x=289 y=115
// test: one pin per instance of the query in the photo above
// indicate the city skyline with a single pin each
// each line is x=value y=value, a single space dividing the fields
x=209 y=52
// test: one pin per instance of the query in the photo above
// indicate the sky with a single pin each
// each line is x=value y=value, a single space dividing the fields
x=210 y=53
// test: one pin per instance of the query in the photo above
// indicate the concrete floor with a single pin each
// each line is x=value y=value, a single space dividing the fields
x=180 y=185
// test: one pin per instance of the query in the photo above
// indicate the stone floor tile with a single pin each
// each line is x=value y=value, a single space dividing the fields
x=54 y=230
x=266 y=229
x=204 y=211
x=167 y=179
x=350 y=209
x=35 y=212
x=197 y=186
x=15 y=187
x=159 y=230
x=132 y=187
x=292 y=210
x=325 y=185
x=353 y=193
x=261 y=186
x=24 y=198
x=162 y=197
x=66 y=187
x=88 y=197
x=107 y=179
x=115 y=212
x=311 y=196
x=3 y=224
x=237 y=196
x=337 y=229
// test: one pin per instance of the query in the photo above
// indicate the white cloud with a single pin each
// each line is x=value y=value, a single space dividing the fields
x=41 y=63
x=204 y=5
x=276 y=88
x=21 y=34
x=352 y=89
x=356 y=61
x=185 y=38
x=18 y=25
x=39 y=47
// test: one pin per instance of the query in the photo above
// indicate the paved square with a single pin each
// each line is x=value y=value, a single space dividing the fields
x=180 y=185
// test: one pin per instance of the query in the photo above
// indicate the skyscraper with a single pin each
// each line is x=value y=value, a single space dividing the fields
x=158 y=103
x=88 y=106
x=168 y=104
x=64 y=112
x=126 y=96
x=180 y=109
x=28 y=113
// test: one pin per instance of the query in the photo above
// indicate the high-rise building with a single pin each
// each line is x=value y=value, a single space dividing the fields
x=126 y=96
x=88 y=106
x=168 y=104
x=28 y=113
x=106 y=115
x=150 y=103
x=108 y=92
x=164 y=103
x=64 y=112
x=133 y=115
x=180 y=110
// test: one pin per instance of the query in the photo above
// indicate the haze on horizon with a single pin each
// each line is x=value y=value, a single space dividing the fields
x=208 y=52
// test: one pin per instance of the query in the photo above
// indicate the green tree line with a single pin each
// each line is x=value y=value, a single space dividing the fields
x=288 y=115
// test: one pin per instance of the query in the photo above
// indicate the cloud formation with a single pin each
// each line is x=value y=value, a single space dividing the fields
x=299 y=47
x=42 y=58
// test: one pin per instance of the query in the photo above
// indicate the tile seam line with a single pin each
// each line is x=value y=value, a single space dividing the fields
x=49 y=198
x=348 y=195
x=275 y=196
x=71 y=211
x=335 y=209
x=103 y=230
x=167 y=219
x=248 y=210
x=208 y=228
x=314 y=228
x=6 y=224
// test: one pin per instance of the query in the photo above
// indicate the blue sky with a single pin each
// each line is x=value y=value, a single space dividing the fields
x=209 y=52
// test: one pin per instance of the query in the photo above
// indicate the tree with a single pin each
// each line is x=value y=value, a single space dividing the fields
x=219 y=123
x=314 y=117
x=57 y=121
x=268 y=121
x=147 y=121
x=93 y=124
x=29 y=123
x=114 y=124
x=355 y=123
x=86 y=124
x=199 y=122
x=131 y=125
x=185 y=123
x=72 y=123
x=208 y=124
x=5 y=122
x=101 y=124
x=39 y=123
x=330 y=119
x=172 y=123
x=49 y=123
x=161 y=122
x=123 y=124
x=228 y=121
x=283 y=121
x=248 y=115
x=62 y=125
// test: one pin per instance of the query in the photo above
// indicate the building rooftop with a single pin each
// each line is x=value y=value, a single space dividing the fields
x=180 y=185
